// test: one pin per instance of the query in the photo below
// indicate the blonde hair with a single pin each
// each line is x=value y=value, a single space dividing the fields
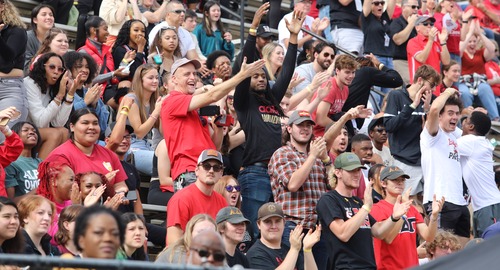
x=266 y=55
x=220 y=187
x=139 y=92
x=10 y=15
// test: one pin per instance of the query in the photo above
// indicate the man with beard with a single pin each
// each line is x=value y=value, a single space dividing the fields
x=298 y=177
x=349 y=227
x=259 y=113
x=198 y=198
x=441 y=164
x=378 y=134
x=345 y=68
x=324 y=54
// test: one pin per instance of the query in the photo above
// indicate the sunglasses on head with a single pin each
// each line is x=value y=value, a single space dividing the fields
x=203 y=253
x=54 y=67
x=216 y=167
x=230 y=188
x=179 y=11
x=428 y=23
x=332 y=56
x=378 y=3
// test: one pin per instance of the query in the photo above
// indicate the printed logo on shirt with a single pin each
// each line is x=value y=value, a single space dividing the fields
x=350 y=212
x=453 y=154
x=408 y=224
x=31 y=180
x=107 y=165
x=270 y=114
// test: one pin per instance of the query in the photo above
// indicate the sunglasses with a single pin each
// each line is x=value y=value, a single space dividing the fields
x=207 y=167
x=179 y=11
x=414 y=7
x=54 y=67
x=378 y=3
x=428 y=23
x=332 y=56
x=203 y=253
x=230 y=188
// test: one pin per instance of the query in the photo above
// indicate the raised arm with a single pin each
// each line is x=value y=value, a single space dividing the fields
x=432 y=123
x=116 y=137
x=357 y=112
x=402 y=36
x=158 y=15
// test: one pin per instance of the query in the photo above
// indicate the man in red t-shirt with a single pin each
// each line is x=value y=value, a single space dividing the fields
x=397 y=250
x=345 y=69
x=186 y=134
x=199 y=198
x=428 y=47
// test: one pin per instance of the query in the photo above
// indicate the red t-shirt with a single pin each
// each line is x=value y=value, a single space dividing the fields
x=101 y=160
x=9 y=152
x=185 y=135
x=474 y=64
x=415 y=46
x=484 y=20
x=189 y=202
x=402 y=252
x=336 y=98
x=493 y=72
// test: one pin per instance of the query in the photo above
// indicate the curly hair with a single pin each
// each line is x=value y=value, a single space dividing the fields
x=108 y=192
x=39 y=75
x=158 y=40
x=206 y=23
x=45 y=46
x=48 y=171
x=34 y=13
x=15 y=244
x=18 y=127
x=123 y=37
x=10 y=15
x=68 y=214
x=139 y=92
x=443 y=239
x=71 y=59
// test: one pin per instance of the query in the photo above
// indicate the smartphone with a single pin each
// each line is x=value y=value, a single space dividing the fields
x=224 y=120
x=209 y=110
x=131 y=195
x=6 y=120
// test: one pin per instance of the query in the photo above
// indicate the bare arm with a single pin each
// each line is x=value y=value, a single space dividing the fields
x=401 y=37
x=391 y=5
x=367 y=8
x=158 y=15
x=163 y=164
x=116 y=137
x=174 y=233
x=432 y=123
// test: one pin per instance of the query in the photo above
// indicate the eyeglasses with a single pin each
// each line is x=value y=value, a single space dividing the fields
x=54 y=67
x=203 y=253
x=428 y=23
x=432 y=85
x=332 y=56
x=127 y=137
x=207 y=167
x=178 y=11
x=413 y=6
x=230 y=188
x=306 y=2
x=378 y=3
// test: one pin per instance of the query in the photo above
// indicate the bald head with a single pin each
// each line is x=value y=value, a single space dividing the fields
x=207 y=248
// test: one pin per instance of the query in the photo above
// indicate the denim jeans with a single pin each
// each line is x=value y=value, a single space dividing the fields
x=255 y=191
x=320 y=249
x=324 y=12
x=485 y=95
x=143 y=156
x=387 y=61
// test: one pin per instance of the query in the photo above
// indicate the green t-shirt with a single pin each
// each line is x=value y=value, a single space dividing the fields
x=23 y=175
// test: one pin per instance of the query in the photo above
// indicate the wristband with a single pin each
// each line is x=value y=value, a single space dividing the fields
x=326 y=160
x=58 y=100
x=68 y=101
x=413 y=107
x=368 y=209
x=307 y=249
x=70 y=96
x=308 y=88
x=7 y=131
x=124 y=61
x=394 y=220
x=124 y=112
x=465 y=21
x=381 y=66
x=252 y=31
x=125 y=107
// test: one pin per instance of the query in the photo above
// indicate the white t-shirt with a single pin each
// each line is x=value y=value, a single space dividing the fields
x=185 y=40
x=385 y=154
x=441 y=166
x=476 y=157
x=284 y=33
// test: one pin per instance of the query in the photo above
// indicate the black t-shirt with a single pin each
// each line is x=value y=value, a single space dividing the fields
x=238 y=258
x=377 y=39
x=262 y=257
x=357 y=253
x=133 y=183
x=344 y=16
x=397 y=26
